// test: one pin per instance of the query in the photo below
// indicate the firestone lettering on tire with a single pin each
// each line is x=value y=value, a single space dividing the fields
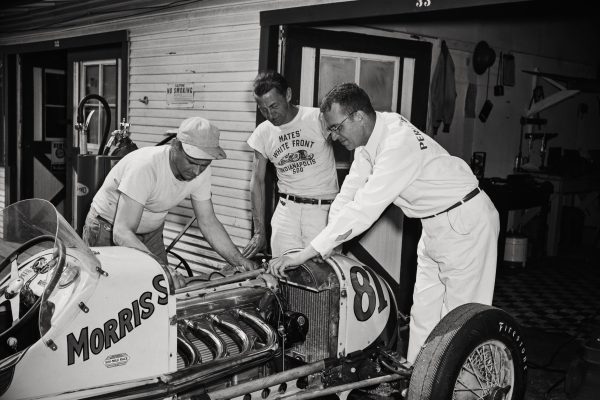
x=507 y=329
x=115 y=329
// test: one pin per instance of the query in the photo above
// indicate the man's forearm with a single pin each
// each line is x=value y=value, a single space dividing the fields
x=128 y=239
x=258 y=205
x=216 y=235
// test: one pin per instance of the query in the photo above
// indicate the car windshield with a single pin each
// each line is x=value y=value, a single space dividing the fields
x=41 y=251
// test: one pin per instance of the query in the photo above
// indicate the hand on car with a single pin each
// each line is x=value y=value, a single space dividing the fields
x=256 y=244
x=278 y=266
x=249 y=265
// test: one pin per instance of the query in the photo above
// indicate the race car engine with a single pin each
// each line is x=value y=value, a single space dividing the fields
x=250 y=319
x=224 y=323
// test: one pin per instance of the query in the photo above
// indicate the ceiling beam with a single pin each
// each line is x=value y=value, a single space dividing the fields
x=88 y=10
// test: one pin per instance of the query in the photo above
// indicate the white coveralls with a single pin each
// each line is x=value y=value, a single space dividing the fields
x=305 y=166
x=457 y=250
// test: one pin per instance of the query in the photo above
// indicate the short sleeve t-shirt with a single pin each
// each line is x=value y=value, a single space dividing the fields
x=146 y=176
x=302 y=156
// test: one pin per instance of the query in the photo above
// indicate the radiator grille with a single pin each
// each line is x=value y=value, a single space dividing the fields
x=321 y=309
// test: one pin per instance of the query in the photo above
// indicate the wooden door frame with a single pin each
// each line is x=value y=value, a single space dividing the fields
x=116 y=39
x=420 y=51
x=29 y=61
x=108 y=51
x=355 y=12
x=296 y=38
x=361 y=12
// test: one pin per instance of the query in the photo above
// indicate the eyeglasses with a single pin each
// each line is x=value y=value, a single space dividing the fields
x=335 y=129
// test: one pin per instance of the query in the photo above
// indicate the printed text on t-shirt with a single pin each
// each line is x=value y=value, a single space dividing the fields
x=287 y=153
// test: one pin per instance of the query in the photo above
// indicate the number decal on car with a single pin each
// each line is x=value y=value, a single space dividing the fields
x=365 y=288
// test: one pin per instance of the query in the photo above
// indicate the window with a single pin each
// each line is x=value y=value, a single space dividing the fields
x=376 y=73
x=99 y=77
x=55 y=104
x=380 y=75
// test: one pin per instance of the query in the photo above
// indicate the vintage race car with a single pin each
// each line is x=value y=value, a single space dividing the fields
x=107 y=323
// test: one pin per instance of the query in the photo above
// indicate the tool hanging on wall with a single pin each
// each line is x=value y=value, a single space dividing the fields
x=499 y=89
x=508 y=69
x=487 y=105
x=483 y=57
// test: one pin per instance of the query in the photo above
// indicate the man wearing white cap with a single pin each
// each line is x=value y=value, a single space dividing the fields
x=131 y=206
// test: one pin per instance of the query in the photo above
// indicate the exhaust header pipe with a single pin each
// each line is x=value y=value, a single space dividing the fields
x=237 y=334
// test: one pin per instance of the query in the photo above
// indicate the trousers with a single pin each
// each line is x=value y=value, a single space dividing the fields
x=295 y=225
x=98 y=232
x=456 y=264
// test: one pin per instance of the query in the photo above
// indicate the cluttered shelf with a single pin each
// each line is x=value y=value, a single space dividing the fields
x=552 y=196
x=569 y=193
x=518 y=192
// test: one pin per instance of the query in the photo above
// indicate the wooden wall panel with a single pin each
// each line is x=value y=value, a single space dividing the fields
x=218 y=58
x=212 y=45
x=2 y=189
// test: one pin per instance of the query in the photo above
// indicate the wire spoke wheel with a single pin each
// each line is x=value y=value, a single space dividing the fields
x=488 y=373
x=476 y=352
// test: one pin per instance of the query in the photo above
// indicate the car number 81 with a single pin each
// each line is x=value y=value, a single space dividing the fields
x=364 y=288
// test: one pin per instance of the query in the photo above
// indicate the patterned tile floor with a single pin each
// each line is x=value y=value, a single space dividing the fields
x=555 y=295
x=557 y=301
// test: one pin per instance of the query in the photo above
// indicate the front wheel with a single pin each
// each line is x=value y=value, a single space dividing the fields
x=475 y=352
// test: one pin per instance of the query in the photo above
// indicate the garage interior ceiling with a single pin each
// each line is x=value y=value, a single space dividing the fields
x=28 y=15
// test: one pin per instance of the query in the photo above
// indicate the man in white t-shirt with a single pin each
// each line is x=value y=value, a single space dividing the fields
x=396 y=163
x=131 y=206
x=291 y=138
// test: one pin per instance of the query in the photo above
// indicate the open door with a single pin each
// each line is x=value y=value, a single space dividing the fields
x=44 y=82
x=44 y=127
x=100 y=72
x=395 y=73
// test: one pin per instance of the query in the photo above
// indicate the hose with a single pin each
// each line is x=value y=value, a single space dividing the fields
x=106 y=107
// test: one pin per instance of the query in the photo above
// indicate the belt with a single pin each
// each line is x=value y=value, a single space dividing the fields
x=468 y=197
x=94 y=214
x=304 y=200
x=98 y=217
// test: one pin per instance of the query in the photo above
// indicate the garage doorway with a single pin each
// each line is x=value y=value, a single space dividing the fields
x=44 y=127
x=44 y=83
x=395 y=73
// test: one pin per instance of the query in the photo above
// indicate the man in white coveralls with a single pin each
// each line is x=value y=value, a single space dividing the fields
x=396 y=163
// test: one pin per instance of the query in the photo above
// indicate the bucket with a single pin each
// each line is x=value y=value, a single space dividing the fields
x=515 y=251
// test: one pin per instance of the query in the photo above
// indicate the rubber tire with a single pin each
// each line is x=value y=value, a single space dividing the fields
x=453 y=339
